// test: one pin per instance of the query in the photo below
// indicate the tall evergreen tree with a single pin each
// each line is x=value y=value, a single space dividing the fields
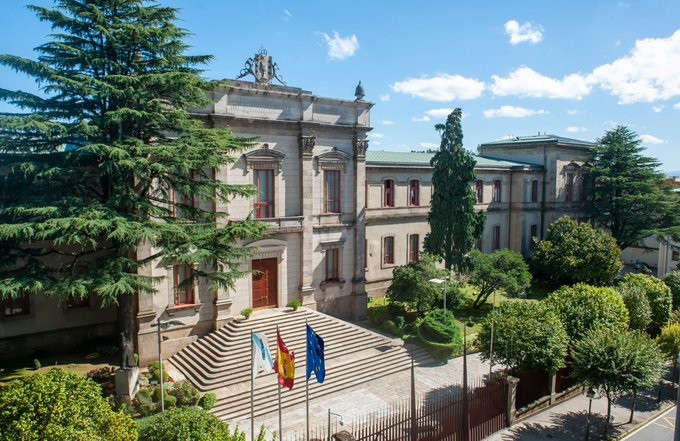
x=107 y=157
x=454 y=225
x=626 y=193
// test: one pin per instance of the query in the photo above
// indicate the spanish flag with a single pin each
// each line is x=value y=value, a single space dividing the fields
x=285 y=363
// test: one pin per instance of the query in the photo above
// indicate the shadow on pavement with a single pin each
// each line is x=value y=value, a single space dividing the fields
x=567 y=427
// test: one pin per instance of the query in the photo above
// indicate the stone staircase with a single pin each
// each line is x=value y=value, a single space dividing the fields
x=220 y=362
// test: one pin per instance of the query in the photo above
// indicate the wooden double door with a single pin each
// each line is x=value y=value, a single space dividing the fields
x=265 y=282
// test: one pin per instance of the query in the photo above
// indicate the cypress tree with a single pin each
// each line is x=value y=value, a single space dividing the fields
x=454 y=224
x=105 y=158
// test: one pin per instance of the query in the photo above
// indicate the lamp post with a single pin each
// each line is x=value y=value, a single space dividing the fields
x=591 y=395
x=163 y=325
x=337 y=415
x=676 y=435
x=442 y=282
x=493 y=320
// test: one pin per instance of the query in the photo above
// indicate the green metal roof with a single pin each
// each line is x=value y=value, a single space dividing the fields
x=537 y=139
x=423 y=159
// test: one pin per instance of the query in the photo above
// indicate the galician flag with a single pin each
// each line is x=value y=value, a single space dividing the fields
x=285 y=363
x=262 y=360
x=315 y=357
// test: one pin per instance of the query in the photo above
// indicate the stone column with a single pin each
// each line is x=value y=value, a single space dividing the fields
x=512 y=396
x=307 y=143
x=359 y=296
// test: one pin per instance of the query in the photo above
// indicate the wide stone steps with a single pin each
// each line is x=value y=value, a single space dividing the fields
x=221 y=362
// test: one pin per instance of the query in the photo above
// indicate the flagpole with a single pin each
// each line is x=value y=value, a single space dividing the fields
x=307 y=378
x=252 y=388
x=279 y=386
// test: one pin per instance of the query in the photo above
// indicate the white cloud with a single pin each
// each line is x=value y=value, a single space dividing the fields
x=650 y=72
x=524 y=32
x=676 y=106
x=573 y=112
x=526 y=82
x=422 y=119
x=651 y=139
x=287 y=15
x=439 y=113
x=428 y=145
x=512 y=112
x=339 y=47
x=441 y=88
x=657 y=109
x=385 y=98
x=387 y=122
x=576 y=129
x=374 y=135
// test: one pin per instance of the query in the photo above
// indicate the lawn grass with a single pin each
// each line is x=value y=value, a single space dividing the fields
x=78 y=362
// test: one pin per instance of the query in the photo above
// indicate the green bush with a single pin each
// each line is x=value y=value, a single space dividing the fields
x=378 y=314
x=170 y=401
x=208 y=401
x=582 y=307
x=187 y=423
x=440 y=334
x=672 y=280
x=156 y=394
x=659 y=297
x=186 y=393
x=60 y=405
x=154 y=371
x=669 y=341
x=639 y=311
x=295 y=304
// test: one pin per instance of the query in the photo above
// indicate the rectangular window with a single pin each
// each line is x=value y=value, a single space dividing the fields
x=184 y=288
x=16 y=306
x=413 y=248
x=78 y=302
x=264 y=205
x=332 y=191
x=533 y=233
x=332 y=265
x=496 y=190
x=388 y=190
x=479 y=191
x=569 y=189
x=414 y=193
x=181 y=203
x=388 y=251
x=497 y=237
x=534 y=191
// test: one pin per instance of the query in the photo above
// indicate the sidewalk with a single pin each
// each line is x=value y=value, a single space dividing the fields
x=568 y=420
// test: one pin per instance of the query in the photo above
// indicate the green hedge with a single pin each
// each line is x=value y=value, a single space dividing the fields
x=440 y=334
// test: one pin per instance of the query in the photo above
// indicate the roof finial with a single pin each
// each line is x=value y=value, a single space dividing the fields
x=359 y=92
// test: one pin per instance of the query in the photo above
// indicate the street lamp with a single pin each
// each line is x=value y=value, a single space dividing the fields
x=163 y=325
x=337 y=415
x=591 y=395
x=442 y=282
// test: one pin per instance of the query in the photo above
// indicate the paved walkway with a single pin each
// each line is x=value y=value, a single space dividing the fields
x=568 y=420
x=661 y=428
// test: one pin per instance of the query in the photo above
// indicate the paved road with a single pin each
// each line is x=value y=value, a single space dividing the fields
x=660 y=429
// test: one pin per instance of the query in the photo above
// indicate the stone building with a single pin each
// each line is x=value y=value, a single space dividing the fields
x=340 y=218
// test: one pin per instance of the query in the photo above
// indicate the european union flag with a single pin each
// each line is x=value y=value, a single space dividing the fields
x=315 y=358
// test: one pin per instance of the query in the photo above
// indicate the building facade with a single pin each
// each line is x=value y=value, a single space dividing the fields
x=340 y=218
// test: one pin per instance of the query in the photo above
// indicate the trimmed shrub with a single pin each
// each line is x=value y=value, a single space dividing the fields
x=378 y=314
x=60 y=405
x=187 y=423
x=672 y=280
x=439 y=332
x=582 y=307
x=154 y=371
x=638 y=307
x=208 y=401
x=185 y=393
x=659 y=297
x=669 y=342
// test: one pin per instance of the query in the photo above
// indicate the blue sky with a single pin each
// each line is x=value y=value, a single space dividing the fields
x=571 y=68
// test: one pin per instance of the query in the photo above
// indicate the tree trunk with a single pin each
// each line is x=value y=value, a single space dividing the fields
x=126 y=329
x=632 y=407
x=609 y=413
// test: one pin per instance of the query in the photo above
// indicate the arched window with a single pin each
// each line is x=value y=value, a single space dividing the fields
x=496 y=191
x=534 y=190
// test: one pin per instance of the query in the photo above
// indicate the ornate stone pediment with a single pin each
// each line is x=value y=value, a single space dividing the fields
x=332 y=160
x=264 y=158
